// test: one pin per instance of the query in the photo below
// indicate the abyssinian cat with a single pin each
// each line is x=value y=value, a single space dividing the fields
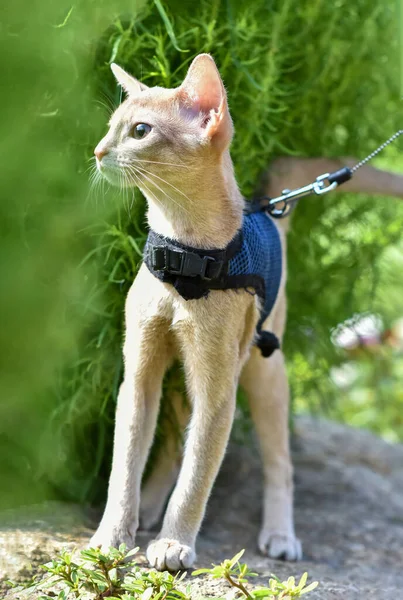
x=174 y=145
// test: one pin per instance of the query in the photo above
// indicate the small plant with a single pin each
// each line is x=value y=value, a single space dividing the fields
x=96 y=575
x=237 y=575
x=115 y=575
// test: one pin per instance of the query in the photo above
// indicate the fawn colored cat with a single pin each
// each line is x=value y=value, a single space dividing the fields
x=174 y=145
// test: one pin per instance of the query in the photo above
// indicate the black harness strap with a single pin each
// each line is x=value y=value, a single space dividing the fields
x=192 y=271
x=185 y=263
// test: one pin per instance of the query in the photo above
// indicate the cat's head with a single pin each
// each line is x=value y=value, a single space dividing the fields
x=155 y=131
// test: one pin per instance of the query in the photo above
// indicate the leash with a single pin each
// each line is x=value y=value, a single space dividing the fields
x=281 y=206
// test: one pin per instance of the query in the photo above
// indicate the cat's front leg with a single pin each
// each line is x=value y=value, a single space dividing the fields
x=205 y=445
x=213 y=350
x=120 y=519
x=147 y=353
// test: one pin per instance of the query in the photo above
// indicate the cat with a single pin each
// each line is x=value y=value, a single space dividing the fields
x=174 y=145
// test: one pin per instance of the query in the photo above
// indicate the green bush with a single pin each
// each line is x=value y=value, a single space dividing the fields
x=304 y=78
x=95 y=575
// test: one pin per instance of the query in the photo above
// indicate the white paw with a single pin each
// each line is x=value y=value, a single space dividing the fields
x=113 y=537
x=280 y=546
x=171 y=555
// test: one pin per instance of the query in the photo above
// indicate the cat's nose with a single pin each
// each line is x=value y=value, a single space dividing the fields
x=100 y=151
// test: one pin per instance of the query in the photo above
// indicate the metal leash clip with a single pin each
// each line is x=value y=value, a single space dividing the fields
x=323 y=184
x=289 y=198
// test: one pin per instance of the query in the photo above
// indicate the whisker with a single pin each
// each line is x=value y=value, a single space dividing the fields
x=106 y=102
x=108 y=109
x=99 y=184
x=167 y=182
x=94 y=184
x=105 y=187
x=94 y=174
x=156 y=162
x=133 y=199
x=161 y=190
x=127 y=192
x=122 y=186
x=142 y=182
x=152 y=194
x=148 y=190
x=92 y=167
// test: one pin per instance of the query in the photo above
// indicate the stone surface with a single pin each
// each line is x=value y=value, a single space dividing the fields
x=349 y=516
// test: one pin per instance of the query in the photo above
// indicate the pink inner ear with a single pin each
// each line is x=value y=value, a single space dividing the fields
x=191 y=102
x=202 y=90
x=210 y=96
x=203 y=93
x=204 y=100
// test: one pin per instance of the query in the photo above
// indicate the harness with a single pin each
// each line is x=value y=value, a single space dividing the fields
x=251 y=261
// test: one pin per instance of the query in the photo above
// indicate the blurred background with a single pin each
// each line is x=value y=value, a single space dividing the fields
x=308 y=78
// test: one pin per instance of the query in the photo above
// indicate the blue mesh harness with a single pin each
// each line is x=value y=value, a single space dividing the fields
x=252 y=260
x=261 y=255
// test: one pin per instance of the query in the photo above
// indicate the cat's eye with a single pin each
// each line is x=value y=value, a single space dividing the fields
x=140 y=131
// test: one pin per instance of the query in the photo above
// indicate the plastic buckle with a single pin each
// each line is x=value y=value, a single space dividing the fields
x=195 y=265
x=180 y=262
x=206 y=260
x=159 y=262
x=162 y=260
x=168 y=262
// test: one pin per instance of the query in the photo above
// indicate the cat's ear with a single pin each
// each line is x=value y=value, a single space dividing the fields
x=203 y=92
x=130 y=85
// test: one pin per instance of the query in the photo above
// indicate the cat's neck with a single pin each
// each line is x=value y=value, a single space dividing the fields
x=203 y=211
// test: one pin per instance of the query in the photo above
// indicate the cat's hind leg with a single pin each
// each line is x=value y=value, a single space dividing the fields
x=160 y=482
x=265 y=383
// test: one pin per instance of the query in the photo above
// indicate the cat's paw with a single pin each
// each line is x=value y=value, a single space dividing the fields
x=280 y=546
x=166 y=554
x=107 y=537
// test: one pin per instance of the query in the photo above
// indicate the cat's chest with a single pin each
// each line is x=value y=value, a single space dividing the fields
x=213 y=315
x=151 y=301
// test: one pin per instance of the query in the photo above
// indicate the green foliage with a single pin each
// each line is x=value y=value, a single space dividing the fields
x=303 y=78
x=237 y=575
x=278 y=95
x=96 y=575
x=116 y=574
x=372 y=395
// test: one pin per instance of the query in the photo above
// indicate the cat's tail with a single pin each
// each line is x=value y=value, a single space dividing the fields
x=290 y=172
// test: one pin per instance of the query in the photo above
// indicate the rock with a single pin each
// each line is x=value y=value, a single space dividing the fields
x=349 y=516
x=30 y=536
